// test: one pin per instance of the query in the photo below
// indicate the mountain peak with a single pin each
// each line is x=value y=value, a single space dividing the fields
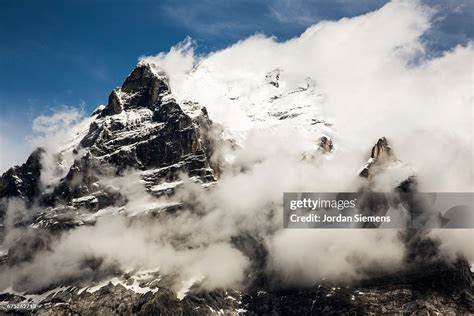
x=381 y=154
x=144 y=73
x=143 y=88
x=151 y=67
x=22 y=181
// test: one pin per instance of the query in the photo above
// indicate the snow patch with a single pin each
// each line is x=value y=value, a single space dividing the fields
x=186 y=285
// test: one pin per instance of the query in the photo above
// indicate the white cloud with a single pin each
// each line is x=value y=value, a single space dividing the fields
x=53 y=132
x=364 y=69
x=62 y=119
x=58 y=134
x=375 y=80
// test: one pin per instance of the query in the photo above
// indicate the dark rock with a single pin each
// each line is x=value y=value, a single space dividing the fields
x=326 y=144
x=416 y=290
x=380 y=155
x=23 y=181
x=273 y=78
x=114 y=105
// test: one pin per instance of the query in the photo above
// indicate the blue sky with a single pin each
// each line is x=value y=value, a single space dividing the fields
x=74 y=53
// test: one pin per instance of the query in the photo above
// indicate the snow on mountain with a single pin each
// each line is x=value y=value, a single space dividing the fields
x=261 y=100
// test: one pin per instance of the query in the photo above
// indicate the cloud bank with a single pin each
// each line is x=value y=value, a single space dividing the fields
x=375 y=78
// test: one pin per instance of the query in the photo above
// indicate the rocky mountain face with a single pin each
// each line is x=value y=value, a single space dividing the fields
x=143 y=128
x=23 y=181
x=381 y=154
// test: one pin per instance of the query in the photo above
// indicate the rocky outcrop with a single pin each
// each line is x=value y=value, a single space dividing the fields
x=23 y=181
x=402 y=293
x=142 y=128
x=380 y=155
x=273 y=78
x=326 y=145
x=142 y=89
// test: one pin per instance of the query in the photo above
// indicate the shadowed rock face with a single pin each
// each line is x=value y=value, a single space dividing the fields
x=381 y=151
x=146 y=84
x=436 y=290
x=381 y=154
x=144 y=128
x=142 y=89
x=23 y=181
x=326 y=144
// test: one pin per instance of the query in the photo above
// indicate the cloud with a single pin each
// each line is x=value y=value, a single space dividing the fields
x=60 y=120
x=59 y=135
x=231 y=20
x=303 y=256
x=455 y=243
x=376 y=78
x=179 y=60
x=54 y=132
x=286 y=12
x=210 y=18
x=452 y=25
x=364 y=68
x=139 y=248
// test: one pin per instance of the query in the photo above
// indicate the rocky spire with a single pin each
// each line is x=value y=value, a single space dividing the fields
x=142 y=89
x=326 y=145
x=23 y=181
x=380 y=155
